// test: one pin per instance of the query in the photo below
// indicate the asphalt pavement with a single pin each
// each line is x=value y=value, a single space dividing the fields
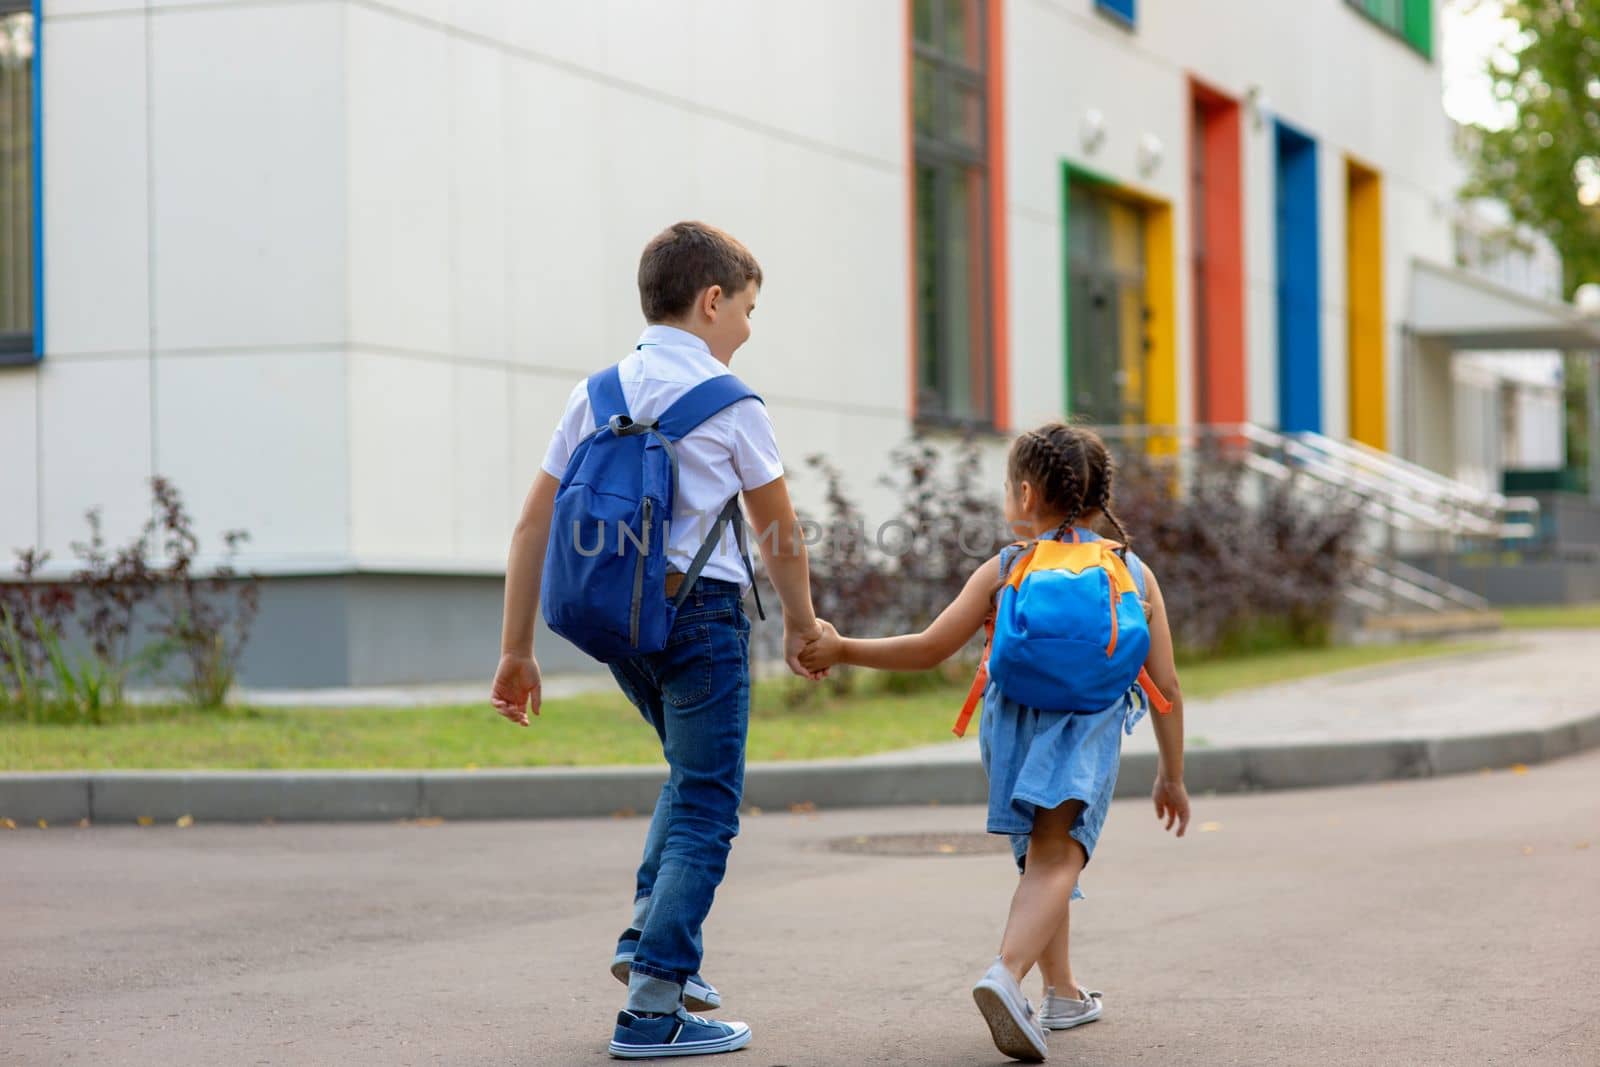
x=1448 y=921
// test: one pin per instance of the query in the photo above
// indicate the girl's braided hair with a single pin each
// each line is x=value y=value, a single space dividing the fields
x=1071 y=469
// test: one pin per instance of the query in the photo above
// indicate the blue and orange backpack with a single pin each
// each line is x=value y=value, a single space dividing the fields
x=1068 y=631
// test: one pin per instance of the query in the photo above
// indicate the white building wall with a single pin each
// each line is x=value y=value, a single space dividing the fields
x=1490 y=245
x=1317 y=64
x=194 y=263
x=335 y=266
x=1540 y=420
x=501 y=190
x=342 y=309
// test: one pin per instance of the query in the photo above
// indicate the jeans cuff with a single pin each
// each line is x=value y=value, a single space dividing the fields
x=647 y=991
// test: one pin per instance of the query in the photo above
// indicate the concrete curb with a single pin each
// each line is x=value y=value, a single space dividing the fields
x=286 y=796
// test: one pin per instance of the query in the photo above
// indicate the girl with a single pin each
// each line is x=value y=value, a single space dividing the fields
x=1051 y=774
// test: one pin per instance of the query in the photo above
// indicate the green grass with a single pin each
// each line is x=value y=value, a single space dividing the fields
x=595 y=729
x=1560 y=617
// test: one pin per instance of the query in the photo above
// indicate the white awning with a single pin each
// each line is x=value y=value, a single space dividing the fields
x=1465 y=311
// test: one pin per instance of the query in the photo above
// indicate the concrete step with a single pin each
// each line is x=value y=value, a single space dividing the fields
x=1430 y=625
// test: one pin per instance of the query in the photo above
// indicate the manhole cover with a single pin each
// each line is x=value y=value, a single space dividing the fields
x=955 y=844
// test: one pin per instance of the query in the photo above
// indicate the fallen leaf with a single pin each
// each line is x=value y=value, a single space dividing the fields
x=1210 y=827
x=755 y=811
x=146 y=820
x=472 y=766
x=7 y=824
x=947 y=849
x=804 y=807
x=431 y=820
x=1485 y=771
x=1581 y=845
x=1527 y=850
x=83 y=824
x=185 y=821
x=43 y=825
x=1519 y=768
x=625 y=813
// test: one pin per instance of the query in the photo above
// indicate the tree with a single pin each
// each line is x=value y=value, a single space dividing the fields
x=1545 y=166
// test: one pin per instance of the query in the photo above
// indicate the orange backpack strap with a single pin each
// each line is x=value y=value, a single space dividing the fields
x=980 y=682
x=1157 y=699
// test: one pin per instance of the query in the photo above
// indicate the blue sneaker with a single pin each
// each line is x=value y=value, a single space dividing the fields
x=698 y=994
x=640 y=1037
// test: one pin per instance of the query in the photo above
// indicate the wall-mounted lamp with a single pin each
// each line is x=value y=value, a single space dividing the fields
x=1150 y=153
x=1257 y=107
x=1093 y=134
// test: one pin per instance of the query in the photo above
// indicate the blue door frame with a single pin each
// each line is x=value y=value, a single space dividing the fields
x=1299 y=283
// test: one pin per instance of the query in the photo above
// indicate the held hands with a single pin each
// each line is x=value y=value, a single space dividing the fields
x=516 y=687
x=797 y=638
x=824 y=650
x=1172 y=803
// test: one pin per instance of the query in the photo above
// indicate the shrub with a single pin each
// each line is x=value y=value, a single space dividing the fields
x=114 y=597
x=1244 y=564
x=203 y=621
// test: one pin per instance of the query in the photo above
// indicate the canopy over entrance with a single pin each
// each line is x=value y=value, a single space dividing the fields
x=1469 y=313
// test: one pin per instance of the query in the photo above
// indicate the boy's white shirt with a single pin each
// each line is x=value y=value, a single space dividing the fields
x=732 y=451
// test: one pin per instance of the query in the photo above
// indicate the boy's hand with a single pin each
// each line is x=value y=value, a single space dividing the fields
x=516 y=685
x=796 y=638
x=1172 y=803
x=824 y=651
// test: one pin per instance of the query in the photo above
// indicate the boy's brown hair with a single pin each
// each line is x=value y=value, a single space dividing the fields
x=685 y=259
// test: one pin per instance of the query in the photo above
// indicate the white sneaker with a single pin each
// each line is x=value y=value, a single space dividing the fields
x=1012 y=1023
x=1063 y=1013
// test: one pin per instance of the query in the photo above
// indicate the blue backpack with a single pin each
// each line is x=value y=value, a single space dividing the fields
x=605 y=569
x=1068 y=631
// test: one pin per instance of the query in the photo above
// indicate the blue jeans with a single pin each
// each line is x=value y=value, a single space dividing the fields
x=696 y=694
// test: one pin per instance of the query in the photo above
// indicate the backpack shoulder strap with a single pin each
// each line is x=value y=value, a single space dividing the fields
x=605 y=395
x=1012 y=557
x=980 y=681
x=1136 y=568
x=688 y=411
x=700 y=403
x=1152 y=692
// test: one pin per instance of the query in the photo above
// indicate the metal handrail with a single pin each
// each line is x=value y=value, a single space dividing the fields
x=1436 y=502
x=1395 y=496
x=1490 y=497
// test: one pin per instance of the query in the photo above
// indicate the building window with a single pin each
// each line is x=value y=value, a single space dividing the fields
x=955 y=379
x=19 y=181
x=1409 y=20
x=1124 y=11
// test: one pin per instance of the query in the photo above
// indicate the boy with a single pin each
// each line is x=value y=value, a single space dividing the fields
x=698 y=287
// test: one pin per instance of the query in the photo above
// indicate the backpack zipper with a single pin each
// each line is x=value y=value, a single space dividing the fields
x=638 y=575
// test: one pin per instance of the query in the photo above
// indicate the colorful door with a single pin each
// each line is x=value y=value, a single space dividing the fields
x=1299 y=284
x=1106 y=312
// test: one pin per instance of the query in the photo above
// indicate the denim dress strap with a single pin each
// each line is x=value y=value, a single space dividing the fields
x=1135 y=702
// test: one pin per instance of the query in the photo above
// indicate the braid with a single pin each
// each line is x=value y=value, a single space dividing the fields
x=1122 y=532
x=1055 y=460
x=1102 y=494
x=1070 y=478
